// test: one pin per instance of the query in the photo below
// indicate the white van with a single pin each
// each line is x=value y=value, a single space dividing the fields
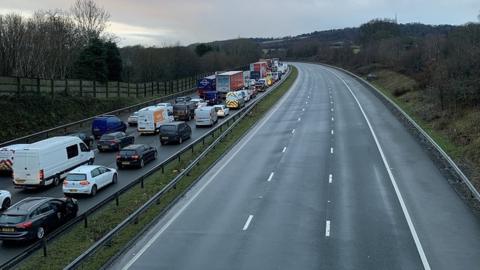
x=151 y=118
x=47 y=162
x=7 y=156
x=205 y=116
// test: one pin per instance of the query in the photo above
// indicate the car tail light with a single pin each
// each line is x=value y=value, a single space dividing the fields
x=41 y=174
x=118 y=156
x=113 y=142
x=24 y=225
x=65 y=183
x=84 y=183
x=135 y=156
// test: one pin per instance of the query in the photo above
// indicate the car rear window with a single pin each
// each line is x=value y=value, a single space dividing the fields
x=168 y=128
x=128 y=152
x=12 y=219
x=107 y=137
x=76 y=177
x=180 y=107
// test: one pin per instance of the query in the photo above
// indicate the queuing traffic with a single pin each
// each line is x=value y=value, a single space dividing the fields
x=70 y=159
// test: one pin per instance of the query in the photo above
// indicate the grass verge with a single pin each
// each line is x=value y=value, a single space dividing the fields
x=70 y=245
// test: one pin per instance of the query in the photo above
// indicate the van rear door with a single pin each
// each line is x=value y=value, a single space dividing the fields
x=26 y=168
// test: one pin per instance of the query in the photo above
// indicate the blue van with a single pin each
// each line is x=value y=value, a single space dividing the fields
x=107 y=124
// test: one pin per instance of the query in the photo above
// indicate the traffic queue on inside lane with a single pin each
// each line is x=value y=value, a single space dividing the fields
x=71 y=159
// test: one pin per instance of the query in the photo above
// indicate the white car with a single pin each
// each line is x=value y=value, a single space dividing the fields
x=88 y=179
x=246 y=95
x=221 y=110
x=5 y=199
x=133 y=119
x=197 y=101
x=167 y=105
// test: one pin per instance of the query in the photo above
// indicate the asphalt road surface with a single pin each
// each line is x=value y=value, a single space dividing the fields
x=106 y=159
x=329 y=179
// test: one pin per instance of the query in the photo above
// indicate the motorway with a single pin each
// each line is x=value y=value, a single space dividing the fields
x=8 y=251
x=329 y=179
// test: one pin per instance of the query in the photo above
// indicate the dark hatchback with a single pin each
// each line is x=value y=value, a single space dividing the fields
x=174 y=132
x=114 y=141
x=87 y=139
x=136 y=155
x=33 y=217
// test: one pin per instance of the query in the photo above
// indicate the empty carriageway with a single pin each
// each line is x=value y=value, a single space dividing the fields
x=329 y=179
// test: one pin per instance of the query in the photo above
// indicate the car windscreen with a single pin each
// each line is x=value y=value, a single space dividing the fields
x=107 y=138
x=76 y=177
x=180 y=107
x=168 y=129
x=128 y=153
x=12 y=219
x=217 y=109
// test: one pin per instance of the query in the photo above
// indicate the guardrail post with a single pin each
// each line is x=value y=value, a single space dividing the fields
x=52 y=87
x=117 y=201
x=44 y=246
x=179 y=158
x=81 y=87
x=106 y=89
x=142 y=185
x=203 y=141
x=85 y=222
x=192 y=148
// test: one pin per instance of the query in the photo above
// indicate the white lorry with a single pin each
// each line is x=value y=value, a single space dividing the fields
x=47 y=162
x=151 y=118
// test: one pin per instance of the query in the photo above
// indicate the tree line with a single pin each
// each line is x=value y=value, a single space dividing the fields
x=444 y=59
x=74 y=44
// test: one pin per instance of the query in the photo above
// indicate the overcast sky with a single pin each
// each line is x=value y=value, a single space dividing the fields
x=165 y=22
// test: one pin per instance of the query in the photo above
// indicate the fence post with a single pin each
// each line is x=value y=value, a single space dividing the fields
x=118 y=89
x=52 y=86
x=94 y=89
x=158 y=88
x=81 y=87
x=165 y=87
x=137 y=90
x=38 y=85
x=128 y=89
x=106 y=89
x=178 y=90
x=145 y=89
x=171 y=86
x=18 y=86
x=153 y=88
x=66 y=87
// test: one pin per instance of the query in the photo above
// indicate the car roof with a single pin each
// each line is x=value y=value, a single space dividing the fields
x=134 y=146
x=26 y=205
x=113 y=133
x=84 y=169
x=104 y=116
x=52 y=141
x=176 y=123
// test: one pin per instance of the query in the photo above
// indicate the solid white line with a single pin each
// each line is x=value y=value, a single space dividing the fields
x=330 y=179
x=331 y=150
x=413 y=231
x=327 y=229
x=194 y=196
x=270 y=177
x=284 y=149
x=293 y=131
x=245 y=227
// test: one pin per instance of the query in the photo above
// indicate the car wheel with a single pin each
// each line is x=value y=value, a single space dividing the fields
x=155 y=155
x=162 y=142
x=91 y=161
x=6 y=203
x=93 y=192
x=142 y=163
x=40 y=233
x=56 y=180
x=114 y=179
x=119 y=166
x=180 y=141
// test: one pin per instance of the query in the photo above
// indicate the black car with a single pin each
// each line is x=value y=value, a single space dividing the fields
x=136 y=155
x=32 y=217
x=182 y=99
x=87 y=139
x=184 y=111
x=174 y=132
x=114 y=141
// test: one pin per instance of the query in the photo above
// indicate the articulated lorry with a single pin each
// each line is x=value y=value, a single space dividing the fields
x=229 y=81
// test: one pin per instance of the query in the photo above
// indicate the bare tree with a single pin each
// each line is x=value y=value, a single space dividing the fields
x=91 y=19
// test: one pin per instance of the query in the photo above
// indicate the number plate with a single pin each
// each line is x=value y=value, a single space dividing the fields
x=164 y=138
x=73 y=190
x=125 y=163
x=8 y=229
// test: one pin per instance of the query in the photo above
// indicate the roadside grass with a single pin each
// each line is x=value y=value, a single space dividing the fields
x=457 y=134
x=67 y=247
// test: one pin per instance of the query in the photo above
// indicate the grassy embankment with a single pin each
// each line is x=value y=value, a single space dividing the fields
x=24 y=115
x=458 y=134
x=67 y=247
